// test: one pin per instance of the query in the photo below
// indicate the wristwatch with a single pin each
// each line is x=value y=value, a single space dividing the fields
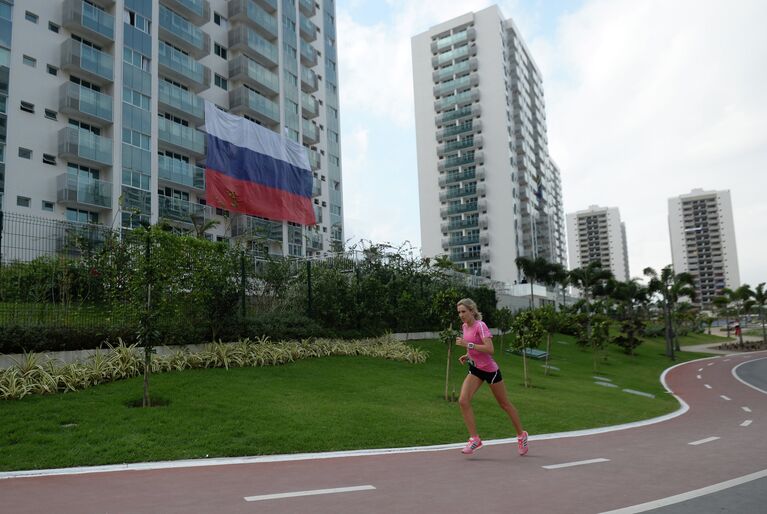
x=470 y=346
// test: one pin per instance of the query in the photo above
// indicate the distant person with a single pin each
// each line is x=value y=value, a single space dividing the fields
x=737 y=329
x=482 y=368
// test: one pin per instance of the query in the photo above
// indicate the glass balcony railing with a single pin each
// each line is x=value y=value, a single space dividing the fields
x=462 y=224
x=183 y=33
x=465 y=256
x=461 y=208
x=457 y=129
x=243 y=99
x=307 y=7
x=77 y=100
x=183 y=67
x=307 y=29
x=185 y=138
x=85 y=18
x=79 y=191
x=311 y=132
x=314 y=159
x=196 y=11
x=309 y=105
x=87 y=62
x=454 y=84
x=309 y=82
x=184 y=211
x=455 y=69
x=457 y=145
x=308 y=54
x=458 y=192
x=458 y=53
x=451 y=162
x=183 y=102
x=180 y=172
x=464 y=240
x=450 y=101
x=316 y=187
x=259 y=76
x=84 y=146
x=251 y=226
x=460 y=37
x=254 y=44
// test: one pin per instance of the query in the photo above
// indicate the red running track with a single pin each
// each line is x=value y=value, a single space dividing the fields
x=640 y=464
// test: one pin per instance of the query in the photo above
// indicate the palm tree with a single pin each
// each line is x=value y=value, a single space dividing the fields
x=561 y=277
x=742 y=297
x=760 y=298
x=589 y=279
x=722 y=304
x=670 y=287
x=535 y=270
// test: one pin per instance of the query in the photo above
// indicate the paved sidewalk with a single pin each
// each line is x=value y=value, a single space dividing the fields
x=714 y=347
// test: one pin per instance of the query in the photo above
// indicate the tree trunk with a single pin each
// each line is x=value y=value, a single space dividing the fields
x=740 y=331
x=548 y=351
x=447 y=372
x=147 y=402
x=532 y=305
x=524 y=366
x=764 y=331
x=669 y=342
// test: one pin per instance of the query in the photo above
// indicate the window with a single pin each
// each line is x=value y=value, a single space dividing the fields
x=138 y=21
x=78 y=216
x=219 y=20
x=220 y=81
x=133 y=97
x=137 y=139
x=53 y=27
x=30 y=16
x=219 y=50
x=23 y=201
x=27 y=107
x=52 y=70
x=29 y=61
x=51 y=115
x=49 y=159
x=136 y=59
x=47 y=206
x=25 y=153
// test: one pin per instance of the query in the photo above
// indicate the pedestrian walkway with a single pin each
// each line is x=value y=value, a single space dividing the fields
x=714 y=348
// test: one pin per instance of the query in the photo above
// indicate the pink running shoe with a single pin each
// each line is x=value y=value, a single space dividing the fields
x=474 y=444
x=522 y=443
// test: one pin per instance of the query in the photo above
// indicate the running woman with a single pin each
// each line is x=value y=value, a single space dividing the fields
x=482 y=368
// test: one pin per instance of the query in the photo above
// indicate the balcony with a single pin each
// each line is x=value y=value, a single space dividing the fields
x=463 y=128
x=243 y=69
x=314 y=241
x=310 y=132
x=258 y=228
x=246 y=101
x=309 y=83
x=307 y=7
x=458 y=53
x=459 y=209
x=471 y=142
x=310 y=107
x=314 y=159
x=307 y=29
x=455 y=69
x=196 y=11
x=248 y=41
x=316 y=187
x=459 y=99
x=89 y=21
x=462 y=160
x=463 y=112
x=177 y=172
x=308 y=55
x=182 y=68
x=478 y=173
x=456 y=84
x=269 y=5
x=246 y=11
x=182 y=211
x=87 y=62
x=182 y=34
x=459 y=192
x=181 y=102
x=464 y=256
x=74 y=191
x=84 y=147
x=179 y=138
x=85 y=104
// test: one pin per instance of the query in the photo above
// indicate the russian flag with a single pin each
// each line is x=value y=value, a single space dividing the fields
x=252 y=170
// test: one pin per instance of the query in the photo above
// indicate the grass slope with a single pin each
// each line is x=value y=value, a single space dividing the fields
x=325 y=404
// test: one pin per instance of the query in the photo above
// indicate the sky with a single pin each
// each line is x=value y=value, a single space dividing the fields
x=645 y=101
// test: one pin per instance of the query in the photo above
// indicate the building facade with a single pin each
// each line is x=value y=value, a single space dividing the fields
x=488 y=190
x=598 y=234
x=104 y=106
x=702 y=231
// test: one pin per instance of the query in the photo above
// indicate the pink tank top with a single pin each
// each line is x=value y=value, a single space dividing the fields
x=474 y=334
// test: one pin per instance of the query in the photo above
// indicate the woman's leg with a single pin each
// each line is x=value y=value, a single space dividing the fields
x=469 y=387
x=499 y=391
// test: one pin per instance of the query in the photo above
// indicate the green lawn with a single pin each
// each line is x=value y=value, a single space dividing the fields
x=334 y=403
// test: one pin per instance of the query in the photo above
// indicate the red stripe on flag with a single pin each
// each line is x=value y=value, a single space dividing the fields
x=247 y=197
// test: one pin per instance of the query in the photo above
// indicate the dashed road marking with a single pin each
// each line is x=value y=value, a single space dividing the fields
x=747 y=409
x=707 y=386
x=746 y=423
x=699 y=377
x=577 y=463
x=723 y=397
x=711 y=363
x=703 y=441
x=700 y=369
x=309 y=493
x=726 y=360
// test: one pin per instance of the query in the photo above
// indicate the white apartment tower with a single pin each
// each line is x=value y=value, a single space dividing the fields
x=103 y=104
x=488 y=190
x=702 y=233
x=598 y=234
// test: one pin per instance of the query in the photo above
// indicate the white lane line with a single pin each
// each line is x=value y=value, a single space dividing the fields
x=699 y=377
x=700 y=369
x=671 y=500
x=308 y=493
x=639 y=393
x=723 y=397
x=703 y=441
x=746 y=423
x=735 y=374
x=747 y=409
x=726 y=360
x=577 y=463
x=707 y=386
x=711 y=363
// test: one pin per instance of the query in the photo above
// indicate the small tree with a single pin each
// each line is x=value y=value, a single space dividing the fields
x=760 y=298
x=503 y=319
x=444 y=307
x=552 y=322
x=528 y=332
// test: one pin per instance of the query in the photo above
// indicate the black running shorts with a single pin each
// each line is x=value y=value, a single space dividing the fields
x=491 y=377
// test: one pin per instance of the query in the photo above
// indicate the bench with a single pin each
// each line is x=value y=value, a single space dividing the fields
x=532 y=353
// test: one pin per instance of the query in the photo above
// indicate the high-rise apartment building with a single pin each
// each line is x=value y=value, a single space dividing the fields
x=598 y=234
x=104 y=105
x=489 y=192
x=702 y=233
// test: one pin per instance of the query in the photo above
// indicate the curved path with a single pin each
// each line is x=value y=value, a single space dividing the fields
x=718 y=440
